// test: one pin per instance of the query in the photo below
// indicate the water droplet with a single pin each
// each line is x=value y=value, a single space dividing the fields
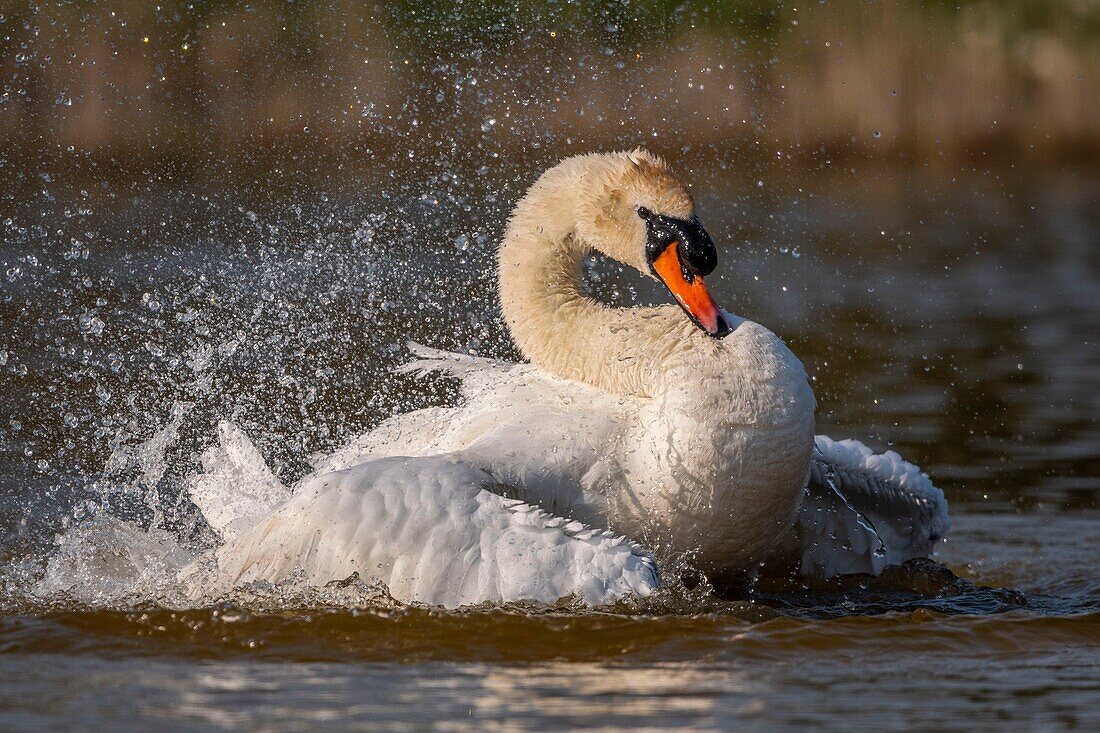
x=150 y=301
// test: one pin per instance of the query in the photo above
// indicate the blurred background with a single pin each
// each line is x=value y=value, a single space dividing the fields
x=183 y=89
x=243 y=210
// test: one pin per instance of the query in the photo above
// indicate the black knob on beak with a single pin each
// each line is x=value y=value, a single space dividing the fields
x=698 y=255
x=698 y=252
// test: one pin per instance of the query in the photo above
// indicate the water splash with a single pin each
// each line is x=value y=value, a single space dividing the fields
x=147 y=459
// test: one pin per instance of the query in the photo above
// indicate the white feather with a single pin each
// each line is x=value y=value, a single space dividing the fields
x=864 y=511
x=428 y=529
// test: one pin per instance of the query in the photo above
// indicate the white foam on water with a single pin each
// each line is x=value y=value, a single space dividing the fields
x=147 y=458
x=236 y=488
x=109 y=562
x=103 y=561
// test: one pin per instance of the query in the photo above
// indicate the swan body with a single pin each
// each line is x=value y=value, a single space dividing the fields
x=686 y=434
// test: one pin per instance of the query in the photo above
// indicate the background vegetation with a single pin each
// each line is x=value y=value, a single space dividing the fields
x=179 y=88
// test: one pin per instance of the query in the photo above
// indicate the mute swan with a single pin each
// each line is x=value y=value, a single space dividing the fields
x=682 y=427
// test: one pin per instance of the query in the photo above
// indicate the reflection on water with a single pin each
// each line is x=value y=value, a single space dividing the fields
x=782 y=674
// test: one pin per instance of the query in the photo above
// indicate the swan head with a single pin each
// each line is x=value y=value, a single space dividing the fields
x=643 y=216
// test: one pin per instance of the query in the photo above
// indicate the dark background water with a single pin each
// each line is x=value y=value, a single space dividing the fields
x=247 y=215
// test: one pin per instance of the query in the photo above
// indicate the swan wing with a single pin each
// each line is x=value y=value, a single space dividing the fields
x=435 y=530
x=546 y=437
x=863 y=511
x=476 y=372
x=414 y=433
x=431 y=430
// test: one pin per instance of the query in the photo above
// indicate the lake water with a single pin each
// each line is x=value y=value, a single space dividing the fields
x=949 y=315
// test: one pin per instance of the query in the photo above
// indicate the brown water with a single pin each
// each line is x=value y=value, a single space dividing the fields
x=952 y=318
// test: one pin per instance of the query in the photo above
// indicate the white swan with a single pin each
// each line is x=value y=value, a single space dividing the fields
x=686 y=429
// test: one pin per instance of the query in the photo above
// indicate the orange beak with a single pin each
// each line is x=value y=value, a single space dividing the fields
x=692 y=295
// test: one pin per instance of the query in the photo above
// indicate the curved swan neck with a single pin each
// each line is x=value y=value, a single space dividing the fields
x=552 y=321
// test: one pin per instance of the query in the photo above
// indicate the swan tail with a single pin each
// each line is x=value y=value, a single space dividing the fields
x=433 y=532
x=864 y=511
x=236 y=488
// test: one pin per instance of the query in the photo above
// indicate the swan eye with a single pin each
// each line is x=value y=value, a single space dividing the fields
x=645 y=213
